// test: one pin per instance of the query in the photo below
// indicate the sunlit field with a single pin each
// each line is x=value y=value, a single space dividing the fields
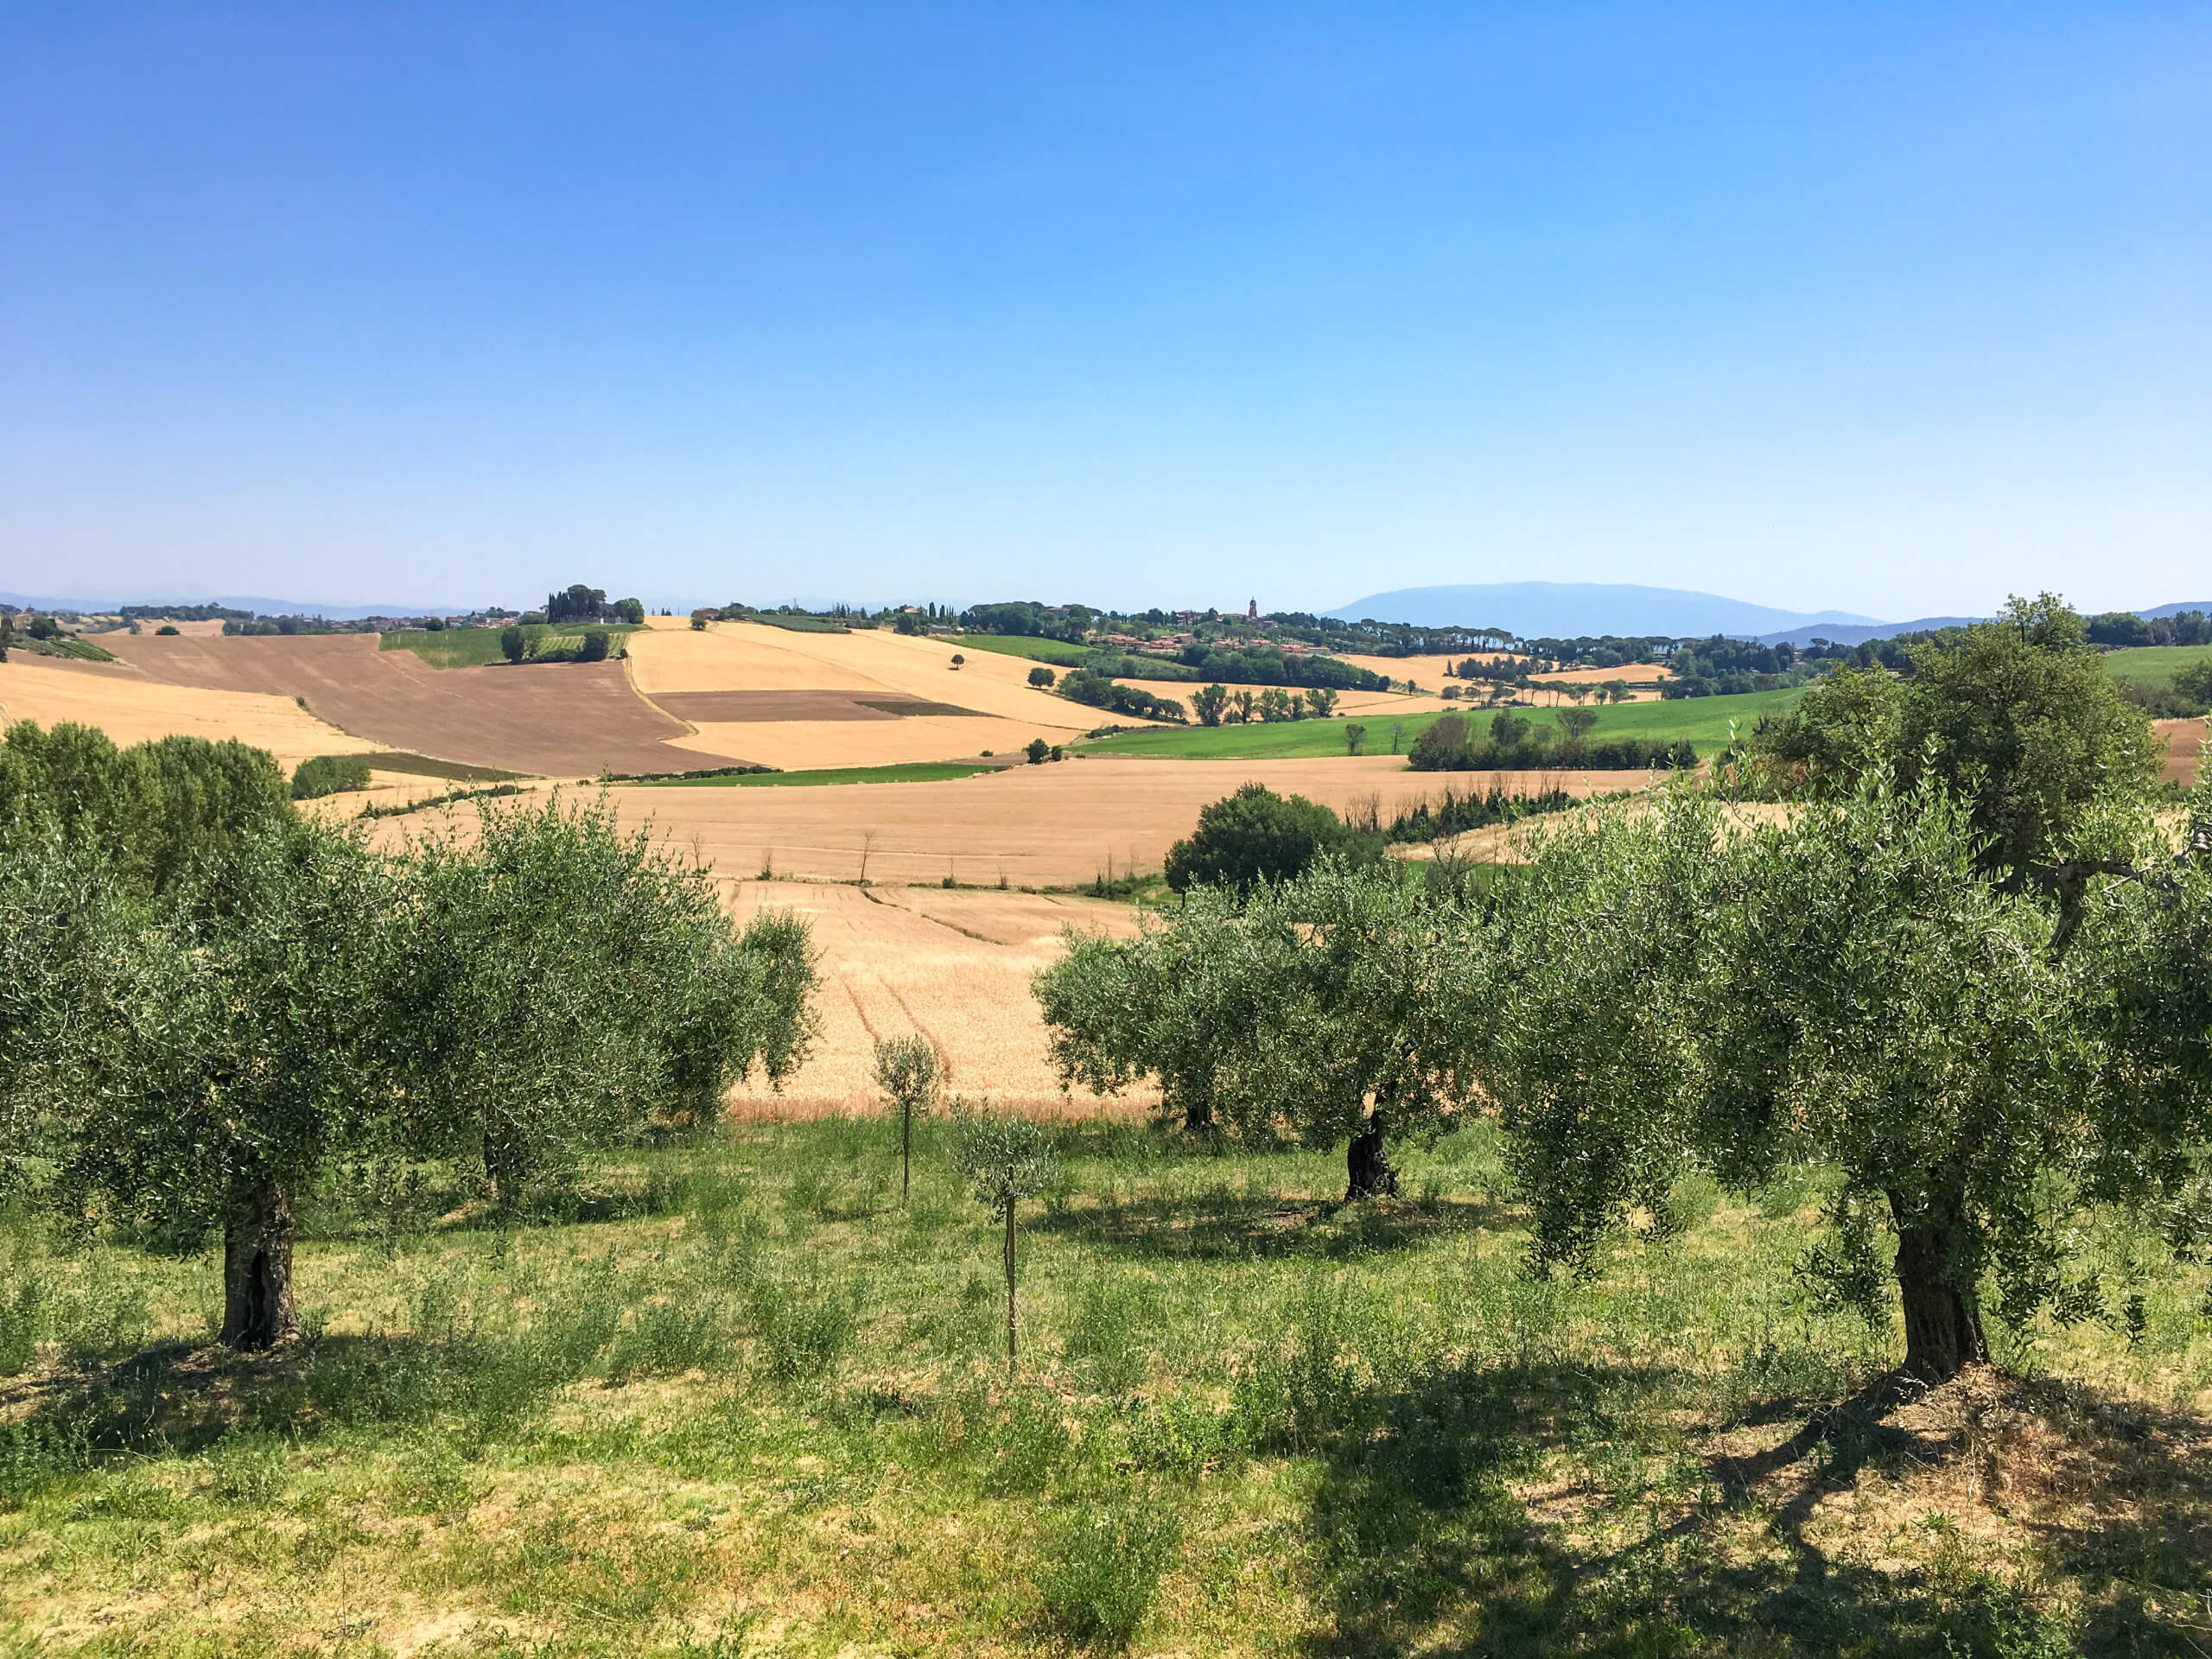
x=733 y=1399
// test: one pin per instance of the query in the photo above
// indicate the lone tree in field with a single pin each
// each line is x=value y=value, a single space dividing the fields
x=514 y=644
x=1256 y=835
x=1041 y=677
x=908 y=1071
x=1310 y=1010
x=1210 y=704
x=1005 y=1159
x=1976 y=1058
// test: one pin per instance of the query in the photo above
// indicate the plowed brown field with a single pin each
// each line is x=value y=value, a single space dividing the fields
x=557 y=719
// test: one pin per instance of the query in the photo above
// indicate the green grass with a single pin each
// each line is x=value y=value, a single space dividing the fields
x=1704 y=720
x=1056 y=651
x=422 y=766
x=2153 y=665
x=913 y=771
x=479 y=647
x=732 y=1399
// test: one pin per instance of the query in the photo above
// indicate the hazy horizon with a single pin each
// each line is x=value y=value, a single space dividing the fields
x=1892 y=311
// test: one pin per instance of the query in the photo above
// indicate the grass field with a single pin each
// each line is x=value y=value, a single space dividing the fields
x=733 y=1400
x=1056 y=651
x=919 y=771
x=479 y=647
x=2153 y=665
x=1704 y=720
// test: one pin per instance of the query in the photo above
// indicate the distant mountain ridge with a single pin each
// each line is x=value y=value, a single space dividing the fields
x=1566 y=610
x=260 y=607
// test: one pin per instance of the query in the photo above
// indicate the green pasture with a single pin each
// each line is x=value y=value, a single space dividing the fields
x=2153 y=665
x=1704 y=720
x=1057 y=652
x=479 y=647
x=733 y=1399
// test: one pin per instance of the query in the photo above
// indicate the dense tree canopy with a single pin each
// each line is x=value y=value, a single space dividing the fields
x=205 y=1001
x=2017 y=714
x=1849 y=990
x=1256 y=835
x=1310 y=1009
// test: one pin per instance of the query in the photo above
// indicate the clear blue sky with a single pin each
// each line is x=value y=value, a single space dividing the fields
x=1892 y=310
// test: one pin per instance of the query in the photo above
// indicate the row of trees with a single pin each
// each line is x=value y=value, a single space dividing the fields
x=1218 y=706
x=1971 y=972
x=578 y=603
x=1515 y=743
x=206 y=1002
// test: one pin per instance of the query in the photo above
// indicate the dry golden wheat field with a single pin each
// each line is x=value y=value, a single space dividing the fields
x=953 y=967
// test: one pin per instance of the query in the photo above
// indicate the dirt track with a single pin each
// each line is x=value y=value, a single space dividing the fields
x=563 y=720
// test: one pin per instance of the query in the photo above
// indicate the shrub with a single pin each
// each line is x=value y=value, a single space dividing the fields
x=1037 y=749
x=1041 y=675
x=169 y=627
x=594 y=649
x=1257 y=835
x=1105 y=1572
x=329 y=775
x=514 y=643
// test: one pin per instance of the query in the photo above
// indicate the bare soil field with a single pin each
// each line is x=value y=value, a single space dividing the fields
x=130 y=709
x=558 y=718
x=707 y=707
x=953 y=966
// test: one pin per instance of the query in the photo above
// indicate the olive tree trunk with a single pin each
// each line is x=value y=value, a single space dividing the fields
x=258 y=1309
x=1942 y=1322
x=1368 y=1165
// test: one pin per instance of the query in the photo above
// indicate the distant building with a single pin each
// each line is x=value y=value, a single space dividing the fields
x=1251 y=610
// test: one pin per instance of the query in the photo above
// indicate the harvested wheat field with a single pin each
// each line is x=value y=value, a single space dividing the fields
x=953 y=966
x=2184 y=743
x=1054 y=825
x=868 y=698
x=131 y=709
x=563 y=720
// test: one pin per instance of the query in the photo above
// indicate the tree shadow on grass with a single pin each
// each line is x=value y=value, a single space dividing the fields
x=1219 y=1228
x=179 y=1397
x=1428 y=1541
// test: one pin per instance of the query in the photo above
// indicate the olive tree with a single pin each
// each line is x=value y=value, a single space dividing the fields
x=227 y=1050
x=569 y=983
x=1313 y=1008
x=1004 y=1159
x=2017 y=714
x=1847 y=988
x=908 y=1071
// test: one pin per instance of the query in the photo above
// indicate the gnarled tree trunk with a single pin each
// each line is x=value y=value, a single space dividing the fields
x=1367 y=1164
x=258 y=1309
x=1942 y=1323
